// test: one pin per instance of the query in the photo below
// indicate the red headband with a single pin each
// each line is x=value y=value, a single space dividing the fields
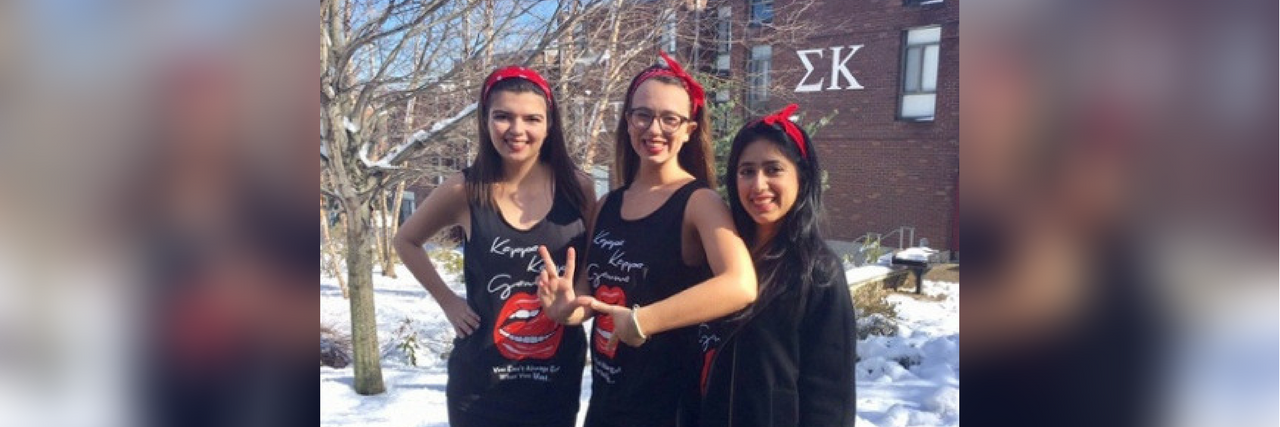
x=783 y=118
x=514 y=71
x=674 y=69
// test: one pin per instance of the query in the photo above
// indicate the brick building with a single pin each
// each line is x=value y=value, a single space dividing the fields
x=891 y=69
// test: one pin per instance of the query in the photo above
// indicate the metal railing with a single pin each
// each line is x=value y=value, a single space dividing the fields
x=902 y=232
x=874 y=241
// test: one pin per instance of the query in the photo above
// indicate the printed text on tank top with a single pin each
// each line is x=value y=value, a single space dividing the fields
x=633 y=262
x=502 y=264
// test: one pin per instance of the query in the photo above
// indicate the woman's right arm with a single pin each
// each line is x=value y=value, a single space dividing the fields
x=445 y=206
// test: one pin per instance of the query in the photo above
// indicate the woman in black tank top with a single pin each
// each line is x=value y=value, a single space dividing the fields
x=511 y=365
x=662 y=256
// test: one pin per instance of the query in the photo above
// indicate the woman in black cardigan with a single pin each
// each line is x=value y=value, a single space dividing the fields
x=788 y=360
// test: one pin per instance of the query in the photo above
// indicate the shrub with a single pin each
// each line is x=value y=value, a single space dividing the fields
x=335 y=348
x=447 y=261
x=876 y=316
x=406 y=340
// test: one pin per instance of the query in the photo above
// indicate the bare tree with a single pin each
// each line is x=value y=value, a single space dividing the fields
x=379 y=55
x=597 y=61
x=389 y=227
x=598 y=57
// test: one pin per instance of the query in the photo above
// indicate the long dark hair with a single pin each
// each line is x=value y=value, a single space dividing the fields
x=695 y=155
x=797 y=258
x=486 y=170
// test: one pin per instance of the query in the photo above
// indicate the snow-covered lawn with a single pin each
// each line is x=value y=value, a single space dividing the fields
x=927 y=392
x=924 y=394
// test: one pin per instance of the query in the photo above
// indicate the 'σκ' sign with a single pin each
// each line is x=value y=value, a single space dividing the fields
x=839 y=69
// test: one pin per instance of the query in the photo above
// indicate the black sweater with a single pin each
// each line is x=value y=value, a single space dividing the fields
x=791 y=364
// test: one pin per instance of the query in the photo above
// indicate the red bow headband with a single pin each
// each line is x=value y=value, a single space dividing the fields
x=783 y=118
x=674 y=69
x=517 y=72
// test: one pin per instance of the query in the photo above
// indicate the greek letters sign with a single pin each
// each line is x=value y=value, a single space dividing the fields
x=840 y=76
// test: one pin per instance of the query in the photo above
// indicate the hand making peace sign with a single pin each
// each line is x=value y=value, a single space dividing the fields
x=555 y=290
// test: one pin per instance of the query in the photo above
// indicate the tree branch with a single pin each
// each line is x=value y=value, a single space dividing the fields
x=402 y=151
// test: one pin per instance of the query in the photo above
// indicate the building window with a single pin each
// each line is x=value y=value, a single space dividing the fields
x=724 y=38
x=758 y=75
x=668 y=39
x=920 y=73
x=407 y=205
x=579 y=115
x=600 y=178
x=761 y=11
x=443 y=165
x=580 y=37
x=719 y=125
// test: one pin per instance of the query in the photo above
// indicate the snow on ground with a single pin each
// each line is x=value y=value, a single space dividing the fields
x=866 y=272
x=415 y=395
x=926 y=393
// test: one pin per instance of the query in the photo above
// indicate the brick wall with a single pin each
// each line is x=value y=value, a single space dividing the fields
x=883 y=172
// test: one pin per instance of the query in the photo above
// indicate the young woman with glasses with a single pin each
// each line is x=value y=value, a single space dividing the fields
x=663 y=256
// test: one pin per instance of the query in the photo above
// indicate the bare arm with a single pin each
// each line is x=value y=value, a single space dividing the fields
x=732 y=287
x=446 y=206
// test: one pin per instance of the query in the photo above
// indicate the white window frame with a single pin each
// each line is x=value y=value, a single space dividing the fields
x=918 y=91
x=724 y=39
x=580 y=37
x=667 y=39
x=408 y=204
x=759 y=66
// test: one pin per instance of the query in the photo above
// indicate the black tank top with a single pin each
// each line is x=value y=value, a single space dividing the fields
x=519 y=365
x=640 y=262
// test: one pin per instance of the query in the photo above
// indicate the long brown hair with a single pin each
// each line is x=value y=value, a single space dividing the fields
x=486 y=170
x=695 y=156
x=797 y=258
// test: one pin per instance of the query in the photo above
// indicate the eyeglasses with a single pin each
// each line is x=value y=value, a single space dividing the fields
x=643 y=118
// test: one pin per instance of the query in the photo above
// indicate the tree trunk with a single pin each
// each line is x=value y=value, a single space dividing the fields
x=596 y=122
x=398 y=197
x=364 y=325
x=380 y=230
x=327 y=245
x=488 y=31
x=389 y=219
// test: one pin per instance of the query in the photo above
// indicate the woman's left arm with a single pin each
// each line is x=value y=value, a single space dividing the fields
x=732 y=287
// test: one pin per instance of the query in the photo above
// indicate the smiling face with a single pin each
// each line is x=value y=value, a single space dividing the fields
x=768 y=182
x=656 y=99
x=517 y=125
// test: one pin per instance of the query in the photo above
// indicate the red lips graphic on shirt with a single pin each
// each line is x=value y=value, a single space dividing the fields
x=604 y=323
x=706 y=368
x=523 y=331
